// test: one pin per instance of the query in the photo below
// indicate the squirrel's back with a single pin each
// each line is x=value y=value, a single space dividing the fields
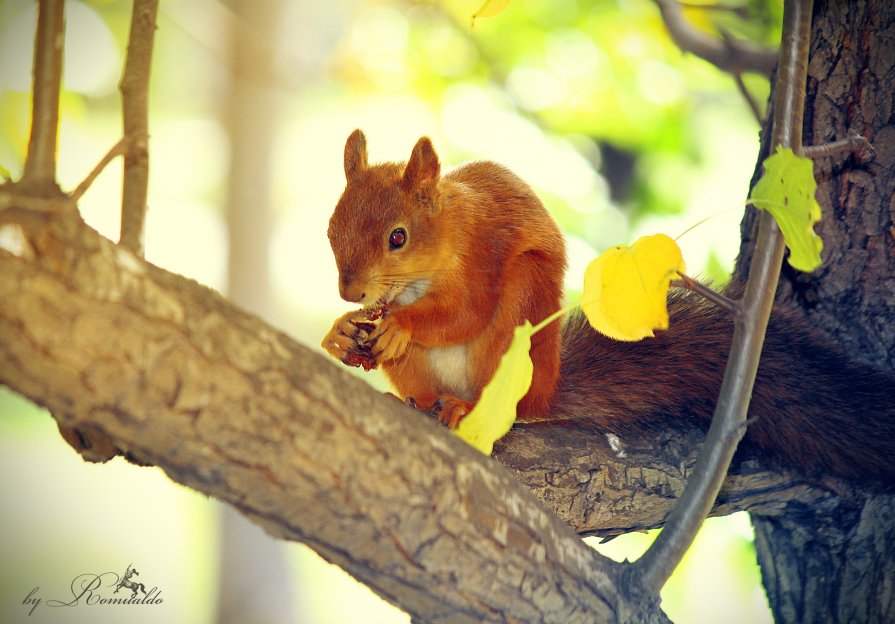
x=813 y=409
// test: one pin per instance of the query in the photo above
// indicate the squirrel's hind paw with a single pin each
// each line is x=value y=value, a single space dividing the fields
x=449 y=410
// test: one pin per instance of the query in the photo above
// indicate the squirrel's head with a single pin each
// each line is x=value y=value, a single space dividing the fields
x=382 y=231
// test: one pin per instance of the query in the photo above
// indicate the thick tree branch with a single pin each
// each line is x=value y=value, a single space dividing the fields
x=604 y=492
x=229 y=407
x=135 y=110
x=39 y=175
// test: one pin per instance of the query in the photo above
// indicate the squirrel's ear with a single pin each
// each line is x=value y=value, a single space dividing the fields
x=422 y=169
x=355 y=154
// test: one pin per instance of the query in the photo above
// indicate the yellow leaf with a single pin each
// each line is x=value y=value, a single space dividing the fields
x=495 y=413
x=490 y=8
x=625 y=288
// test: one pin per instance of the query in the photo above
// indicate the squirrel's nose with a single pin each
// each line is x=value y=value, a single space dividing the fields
x=349 y=289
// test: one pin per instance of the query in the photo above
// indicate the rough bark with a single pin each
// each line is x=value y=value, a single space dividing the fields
x=228 y=406
x=836 y=562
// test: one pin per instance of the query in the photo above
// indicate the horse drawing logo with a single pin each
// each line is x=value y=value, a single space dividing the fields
x=127 y=583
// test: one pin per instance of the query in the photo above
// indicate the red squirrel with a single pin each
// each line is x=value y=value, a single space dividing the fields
x=445 y=266
x=456 y=261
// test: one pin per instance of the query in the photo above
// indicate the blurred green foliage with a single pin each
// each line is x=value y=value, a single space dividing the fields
x=604 y=71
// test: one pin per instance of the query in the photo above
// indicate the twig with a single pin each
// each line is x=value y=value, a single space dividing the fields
x=135 y=105
x=723 y=302
x=740 y=11
x=657 y=564
x=854 y=142
x=731 y=54
x=753 y=105
x=40 y=163
x=115 y=150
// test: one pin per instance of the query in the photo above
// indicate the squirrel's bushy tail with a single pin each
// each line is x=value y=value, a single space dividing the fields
x=814 y=410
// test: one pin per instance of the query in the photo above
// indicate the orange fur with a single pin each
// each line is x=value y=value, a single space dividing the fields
x=481 y=251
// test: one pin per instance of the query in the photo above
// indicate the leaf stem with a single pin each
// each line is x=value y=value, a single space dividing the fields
x=729 y=422
x=720 y=300
x=553 y=317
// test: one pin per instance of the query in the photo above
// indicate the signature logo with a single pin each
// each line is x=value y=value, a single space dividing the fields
x=127 y=583
x=100 y=589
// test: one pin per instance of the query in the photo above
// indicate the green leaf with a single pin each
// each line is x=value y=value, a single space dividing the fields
x=4 y=173
x=495 y=413
x=786 y=190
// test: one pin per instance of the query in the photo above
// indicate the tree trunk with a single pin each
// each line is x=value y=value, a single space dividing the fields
x=836 y=562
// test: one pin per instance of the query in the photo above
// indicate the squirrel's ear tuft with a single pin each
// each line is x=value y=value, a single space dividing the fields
x=421 y=172
x=355 y=154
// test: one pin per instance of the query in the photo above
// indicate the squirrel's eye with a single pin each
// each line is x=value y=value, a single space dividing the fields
x=397 y=238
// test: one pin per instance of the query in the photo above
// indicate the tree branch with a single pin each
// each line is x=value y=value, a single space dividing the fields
x=729 y=54
x=114 y=151
x=135 y=106
x=752 y=103
x=230 y=407
x=729 y=421
x=39 y=175
x=854 y=143
x=604 y=492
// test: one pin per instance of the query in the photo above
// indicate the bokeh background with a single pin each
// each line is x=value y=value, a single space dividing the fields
x=618 y=131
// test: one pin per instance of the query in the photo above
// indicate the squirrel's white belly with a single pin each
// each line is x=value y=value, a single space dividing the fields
x=449 y=365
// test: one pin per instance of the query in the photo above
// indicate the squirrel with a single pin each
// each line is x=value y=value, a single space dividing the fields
x=457 y=262
x=446 y=266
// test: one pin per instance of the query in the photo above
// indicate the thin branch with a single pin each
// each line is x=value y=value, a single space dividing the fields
x=728 y=423
x=853 y=143
x=135 y=104
x=750 y=100
x=741 y=12
x=40 y=163
x=730 y=54
x=116 y=150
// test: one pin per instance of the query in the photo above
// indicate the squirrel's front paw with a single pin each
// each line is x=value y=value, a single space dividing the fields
x=390 y=340
x=338 y=340
x=349 y=339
